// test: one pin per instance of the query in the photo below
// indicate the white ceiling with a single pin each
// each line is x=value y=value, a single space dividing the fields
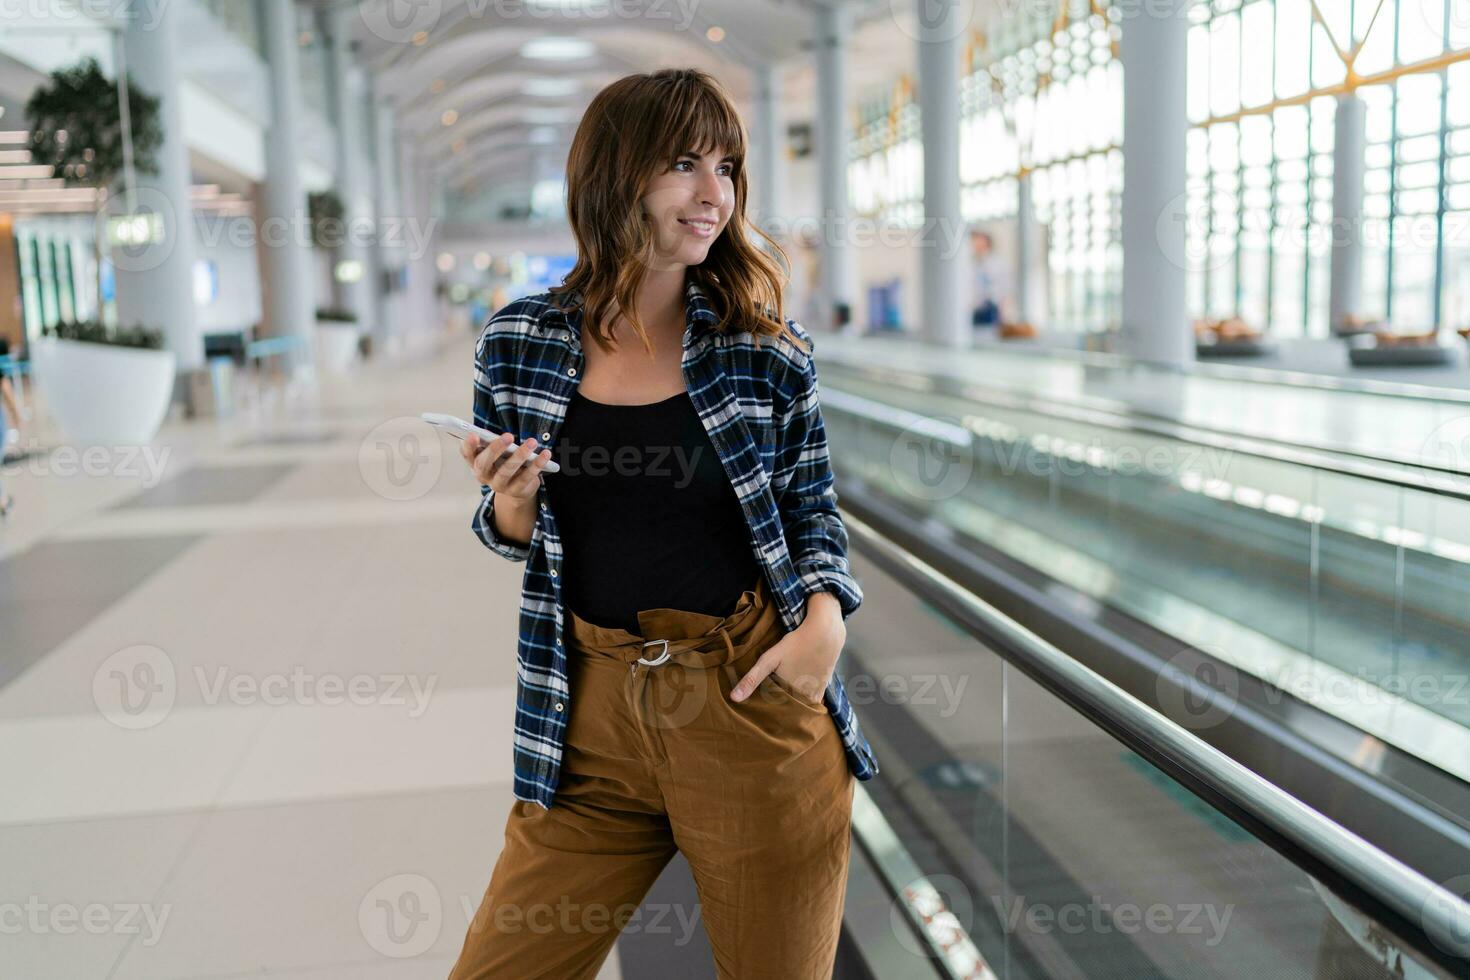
x=467 y=60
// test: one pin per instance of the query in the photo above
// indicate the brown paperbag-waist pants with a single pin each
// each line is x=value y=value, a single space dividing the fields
x=658 y=759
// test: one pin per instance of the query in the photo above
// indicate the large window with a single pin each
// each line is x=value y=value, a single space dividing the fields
x=886 y=172
x=1264 y=77
x=1042 y=102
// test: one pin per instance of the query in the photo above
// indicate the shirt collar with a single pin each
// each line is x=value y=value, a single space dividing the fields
x=699 y=315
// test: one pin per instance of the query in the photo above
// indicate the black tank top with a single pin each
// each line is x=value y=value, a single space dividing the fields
x=646 y=514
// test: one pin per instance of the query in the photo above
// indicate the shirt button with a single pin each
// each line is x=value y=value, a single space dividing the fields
x=571 y=372
x=559 y=706
x=543 y=505
x=553 y=573
x=546 y=437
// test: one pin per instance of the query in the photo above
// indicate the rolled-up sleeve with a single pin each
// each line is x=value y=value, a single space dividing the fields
x=488 y=416
x=815 y=534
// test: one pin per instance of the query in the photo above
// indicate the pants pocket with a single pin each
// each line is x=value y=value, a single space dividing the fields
x=774 y=679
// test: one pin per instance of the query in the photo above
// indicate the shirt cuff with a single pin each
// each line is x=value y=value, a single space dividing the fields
x=849 y=594
x=484 y=526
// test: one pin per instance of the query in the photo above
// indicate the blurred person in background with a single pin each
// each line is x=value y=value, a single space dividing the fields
x=990 y=281
x=9 y=415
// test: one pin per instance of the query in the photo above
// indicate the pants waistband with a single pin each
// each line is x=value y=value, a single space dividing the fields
x=693 y=639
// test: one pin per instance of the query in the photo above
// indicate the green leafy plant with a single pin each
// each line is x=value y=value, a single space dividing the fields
x=326 y=212
x=76 y=127
x=94 y=332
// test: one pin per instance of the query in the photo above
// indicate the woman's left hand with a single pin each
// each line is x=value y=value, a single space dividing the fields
x=807 y=655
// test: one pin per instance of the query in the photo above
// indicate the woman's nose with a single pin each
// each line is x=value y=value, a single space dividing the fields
x=712 y=190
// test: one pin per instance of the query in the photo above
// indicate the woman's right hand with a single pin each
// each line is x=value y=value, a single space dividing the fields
x=516 y=475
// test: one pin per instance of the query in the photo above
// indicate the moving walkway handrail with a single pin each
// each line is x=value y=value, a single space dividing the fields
x=1321 y=460
x=1254 y=374
x=1423 y=903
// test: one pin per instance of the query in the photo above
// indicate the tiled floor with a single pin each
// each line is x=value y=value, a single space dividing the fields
x=255 y=702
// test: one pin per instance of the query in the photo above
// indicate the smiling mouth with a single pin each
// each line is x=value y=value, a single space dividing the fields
x=697 y=224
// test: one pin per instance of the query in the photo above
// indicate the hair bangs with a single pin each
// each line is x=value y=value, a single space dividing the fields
x=699 y=120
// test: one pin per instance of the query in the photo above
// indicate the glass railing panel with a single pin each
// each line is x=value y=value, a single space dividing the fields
x=1350 y=592
x=1039 y=846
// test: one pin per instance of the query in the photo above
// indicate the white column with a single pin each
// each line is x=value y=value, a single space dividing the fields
x=944 y=258
x=838 y=271
x=1349 y=166
x=770 y=156
x=390 y=221
x=285 y=238
x=1027 y=238
x=155 y=282
x=377 y=263
x=1155 y=128
x=420 y=308
x=352 y=184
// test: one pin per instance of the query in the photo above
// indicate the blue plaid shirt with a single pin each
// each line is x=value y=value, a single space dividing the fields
x=760 y=408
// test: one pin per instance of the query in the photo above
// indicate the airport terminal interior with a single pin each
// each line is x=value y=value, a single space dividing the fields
x=1143 y=337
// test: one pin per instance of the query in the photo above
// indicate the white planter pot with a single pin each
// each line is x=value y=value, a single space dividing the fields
x=336 y=346
x=103 y=395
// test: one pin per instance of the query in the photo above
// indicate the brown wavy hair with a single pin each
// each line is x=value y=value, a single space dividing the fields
x=634 y=129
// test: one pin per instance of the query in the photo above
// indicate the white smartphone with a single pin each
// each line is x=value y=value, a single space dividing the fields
x=459 y=428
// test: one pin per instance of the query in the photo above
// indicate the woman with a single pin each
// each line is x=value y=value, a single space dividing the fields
x=683 y=605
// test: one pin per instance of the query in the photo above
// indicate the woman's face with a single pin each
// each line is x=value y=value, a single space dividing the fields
x=688 y=205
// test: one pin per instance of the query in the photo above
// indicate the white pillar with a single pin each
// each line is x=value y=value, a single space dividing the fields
x=1155 y=128
x=285 y=239
x=390 y=222
x=1349 y=166
x=352 y=184
x=377 y=260
x=155 y=282
x=945 y=261
x=838 y=271
x=770 y=157
x=1026 y=239
x=419 y=308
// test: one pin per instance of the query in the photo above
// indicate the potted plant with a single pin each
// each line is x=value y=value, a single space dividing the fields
x=76 y=128
x=104 y=387
x=336 y=340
